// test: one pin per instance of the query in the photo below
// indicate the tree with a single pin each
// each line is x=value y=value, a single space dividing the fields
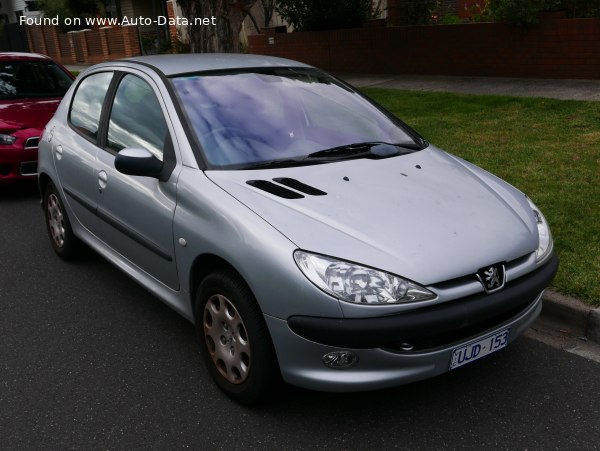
x=314 y=15
x=522 y=13
x=69 y=8
x=268 y=8
x=224 y=37
x=525 y=13
x=418 y=12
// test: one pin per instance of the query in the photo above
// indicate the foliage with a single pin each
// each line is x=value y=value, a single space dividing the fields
x=451 y=19
x=69 y=8
x=418 y=12
x=580 y=8
x=480 y=12
x=547 y=148
x=522 y=13
x=525 y=13
x=313 y=15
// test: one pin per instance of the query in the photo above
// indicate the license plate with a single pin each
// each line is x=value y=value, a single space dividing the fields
x=478 y=349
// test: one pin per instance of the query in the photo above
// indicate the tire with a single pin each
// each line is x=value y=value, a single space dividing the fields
x=234 y=339
x=63 y=241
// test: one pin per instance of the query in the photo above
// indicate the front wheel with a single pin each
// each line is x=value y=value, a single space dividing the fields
x=234 y=338
x=63 y=241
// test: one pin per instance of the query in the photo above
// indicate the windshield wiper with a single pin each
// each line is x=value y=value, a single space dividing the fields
x=349 y=151
x=376 y=149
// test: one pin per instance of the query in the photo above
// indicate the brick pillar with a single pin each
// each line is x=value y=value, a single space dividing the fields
x=42 y=40
x=131 y=41
x=29 y=30
x=71 y=36
x=104 y=47
x=173 y=36
x=55 y=42
x=85 y=49
x=79 y=46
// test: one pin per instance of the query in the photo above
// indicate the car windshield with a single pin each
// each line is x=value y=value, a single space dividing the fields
x=251 y=118
x=26 y=79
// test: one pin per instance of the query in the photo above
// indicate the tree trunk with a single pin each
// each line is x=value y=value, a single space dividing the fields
x=224 y=37
x=268 y=7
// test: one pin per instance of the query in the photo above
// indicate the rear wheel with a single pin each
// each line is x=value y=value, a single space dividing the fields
x=63 y=241
x=234 y=338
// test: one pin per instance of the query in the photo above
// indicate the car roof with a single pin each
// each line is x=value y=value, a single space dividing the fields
x=13 y=56
x=200 y=62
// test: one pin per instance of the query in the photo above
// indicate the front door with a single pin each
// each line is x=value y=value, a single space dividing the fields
x=136 y=213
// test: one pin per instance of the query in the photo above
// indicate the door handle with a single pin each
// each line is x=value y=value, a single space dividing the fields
x=102 y=180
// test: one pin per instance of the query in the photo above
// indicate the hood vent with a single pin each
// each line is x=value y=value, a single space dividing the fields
x=299 y=186
x=274 y=189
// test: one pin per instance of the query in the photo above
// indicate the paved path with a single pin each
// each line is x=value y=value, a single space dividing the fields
x=521 y=87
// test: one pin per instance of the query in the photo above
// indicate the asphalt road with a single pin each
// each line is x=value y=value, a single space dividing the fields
x=88 y=360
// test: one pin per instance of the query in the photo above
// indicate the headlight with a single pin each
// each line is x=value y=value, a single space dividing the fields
x=358 y=284
x=545 y=243
x=7 y=140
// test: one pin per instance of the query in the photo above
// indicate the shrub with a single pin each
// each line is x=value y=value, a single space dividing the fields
x=313 y=15
x=522 y=13
x=526 y=12
x=418 y=12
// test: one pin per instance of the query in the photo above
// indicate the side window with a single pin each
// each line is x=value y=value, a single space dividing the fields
x=87 y=103
x=136 y=118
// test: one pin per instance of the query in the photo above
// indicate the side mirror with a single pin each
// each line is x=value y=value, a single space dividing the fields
x=138 y=161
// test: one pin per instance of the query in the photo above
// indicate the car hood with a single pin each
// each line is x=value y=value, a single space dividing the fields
x=27 y=113
x=427 y=216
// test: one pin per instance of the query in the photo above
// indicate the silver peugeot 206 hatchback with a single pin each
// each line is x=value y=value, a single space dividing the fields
x=309 y=234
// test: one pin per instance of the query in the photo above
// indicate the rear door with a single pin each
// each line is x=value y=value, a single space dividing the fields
x=136 y=213
x=75 y=148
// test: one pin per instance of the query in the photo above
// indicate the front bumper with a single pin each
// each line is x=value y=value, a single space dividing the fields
x=301 y=342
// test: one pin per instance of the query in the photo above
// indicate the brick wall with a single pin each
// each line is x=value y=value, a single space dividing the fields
x=557 y=48
x=86 y=46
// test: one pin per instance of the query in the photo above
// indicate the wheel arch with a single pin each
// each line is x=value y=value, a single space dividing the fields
x=204 y=265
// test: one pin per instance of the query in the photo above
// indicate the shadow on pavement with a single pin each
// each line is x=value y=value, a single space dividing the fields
x=19 y=191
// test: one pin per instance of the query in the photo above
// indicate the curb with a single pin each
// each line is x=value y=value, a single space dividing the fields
x=573 y=312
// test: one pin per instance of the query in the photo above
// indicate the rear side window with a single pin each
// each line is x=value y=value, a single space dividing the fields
x=86 y=107
x=136 y=118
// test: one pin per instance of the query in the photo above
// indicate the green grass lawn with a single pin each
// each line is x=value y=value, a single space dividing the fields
x=549 y=149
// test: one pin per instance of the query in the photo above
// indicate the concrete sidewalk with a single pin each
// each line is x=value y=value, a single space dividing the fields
x=520 y=87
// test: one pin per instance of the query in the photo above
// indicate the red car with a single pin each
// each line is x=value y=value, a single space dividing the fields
x=31 y=87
